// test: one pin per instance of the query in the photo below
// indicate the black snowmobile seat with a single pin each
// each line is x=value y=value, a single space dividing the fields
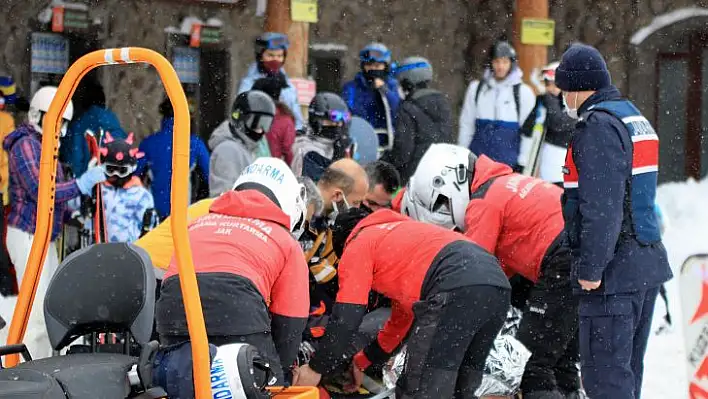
x=102 y=288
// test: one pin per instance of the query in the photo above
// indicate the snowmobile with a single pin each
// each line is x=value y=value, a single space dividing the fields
x=110 y=288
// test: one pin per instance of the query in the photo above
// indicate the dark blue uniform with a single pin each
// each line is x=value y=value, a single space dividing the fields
x=610 y=181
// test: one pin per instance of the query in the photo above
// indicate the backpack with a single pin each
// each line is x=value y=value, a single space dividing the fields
x=517 y=98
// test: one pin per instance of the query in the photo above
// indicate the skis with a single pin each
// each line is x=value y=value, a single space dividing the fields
x=538 y=135
x=99 y=222
x=694 y=304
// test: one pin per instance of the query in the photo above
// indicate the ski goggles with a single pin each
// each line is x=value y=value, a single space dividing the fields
x=114 y=170
x=397 y=69
x=257 y=122
x=335 y=115
x=368 y=55
x=276 y=42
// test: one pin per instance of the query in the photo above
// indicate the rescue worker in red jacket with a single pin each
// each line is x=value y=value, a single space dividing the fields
x=518 y=219
x=449 y=296
x=251 y=272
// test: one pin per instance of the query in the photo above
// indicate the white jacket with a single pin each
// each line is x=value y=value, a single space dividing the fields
x=491 y=125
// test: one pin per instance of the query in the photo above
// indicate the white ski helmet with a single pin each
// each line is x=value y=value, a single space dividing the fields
x=40 y=105
x=290 y=195
x=238 y=371
x=549 y=72
x=439 y=190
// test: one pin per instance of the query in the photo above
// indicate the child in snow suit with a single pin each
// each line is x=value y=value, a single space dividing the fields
x=127 y=204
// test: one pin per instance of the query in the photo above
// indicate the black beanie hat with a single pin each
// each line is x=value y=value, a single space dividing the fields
x=582 y=68
x=343 y=226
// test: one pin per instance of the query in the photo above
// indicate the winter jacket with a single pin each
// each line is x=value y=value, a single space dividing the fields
x=158 y=241
x=282 y=136
x=397 y=257
x=490 y=124
x=306 y=143
x=230 y=156
x=608 y=200
x=558 y=128
x=514 y=217
x=288 y=95
x=158 y=158
x=24 y=147
x=423 y=119
x=125 y=209
x=251 y=274
x=74 y=150
x=364 y=101
x=7 y=126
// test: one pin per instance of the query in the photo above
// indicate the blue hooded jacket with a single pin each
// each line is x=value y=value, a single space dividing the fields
x=598 y=211
x=74 y=150
x=288 y=95
x=158 y=158
x=363 y=101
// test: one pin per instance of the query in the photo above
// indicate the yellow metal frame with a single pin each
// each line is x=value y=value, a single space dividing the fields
x=180 y=178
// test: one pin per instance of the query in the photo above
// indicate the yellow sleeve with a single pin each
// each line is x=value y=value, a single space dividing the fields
x=158 y=242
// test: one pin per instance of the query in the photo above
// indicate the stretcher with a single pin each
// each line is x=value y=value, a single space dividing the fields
x=101 y=375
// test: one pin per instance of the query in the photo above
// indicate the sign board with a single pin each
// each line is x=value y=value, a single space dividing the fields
x=204 y=35
x=306 y=90
x=538 y=31
x=303 y=10
x=69 y=19
x=50 y=53
x=185 y=60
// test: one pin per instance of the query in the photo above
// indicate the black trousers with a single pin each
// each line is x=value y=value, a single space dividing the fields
x=450 y=340
x=549 y=328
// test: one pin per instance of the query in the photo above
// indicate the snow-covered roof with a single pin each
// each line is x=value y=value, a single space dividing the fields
x=665 y=20
x=328 y=47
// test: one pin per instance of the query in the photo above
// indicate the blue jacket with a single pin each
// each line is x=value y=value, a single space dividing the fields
x=158 y=158
x=288 y=96
x=363 y=101
x=610 y=237
x=74 y=150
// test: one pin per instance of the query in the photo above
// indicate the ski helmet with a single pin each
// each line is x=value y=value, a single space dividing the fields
x=273 y=177
x=439 y=190
x=502 y=49
x=239 y=371
x=375 y=52
x=413 y=72
x=548 y=73
x=39 y=106
x=119 y=158
x=271 y=41
x=328 y=106
x=252 y=112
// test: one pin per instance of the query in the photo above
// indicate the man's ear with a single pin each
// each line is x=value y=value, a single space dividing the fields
x=337 y=195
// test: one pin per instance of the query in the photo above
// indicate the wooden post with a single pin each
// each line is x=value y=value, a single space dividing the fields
x=529 y=56
x=278 y=20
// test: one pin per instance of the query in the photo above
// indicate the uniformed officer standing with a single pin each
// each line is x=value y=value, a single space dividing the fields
x=619 y=261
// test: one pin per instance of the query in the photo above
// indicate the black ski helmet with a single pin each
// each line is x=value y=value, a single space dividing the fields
x=328 y=106
x=250 y=111
x=119 y=158
x=270 y=41
x=502 y=49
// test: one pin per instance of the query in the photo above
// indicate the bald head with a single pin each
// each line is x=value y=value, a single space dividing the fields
x=344 y=182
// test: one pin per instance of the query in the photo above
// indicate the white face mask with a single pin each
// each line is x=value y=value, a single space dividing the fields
x=571 y=112
x=336 y=210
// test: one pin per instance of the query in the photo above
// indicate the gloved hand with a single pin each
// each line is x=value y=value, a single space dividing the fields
x=89 y=179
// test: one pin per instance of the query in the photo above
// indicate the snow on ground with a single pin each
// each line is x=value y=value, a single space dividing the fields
x=683 y=204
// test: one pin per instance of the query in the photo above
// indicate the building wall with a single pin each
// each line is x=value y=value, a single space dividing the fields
x=453 y=34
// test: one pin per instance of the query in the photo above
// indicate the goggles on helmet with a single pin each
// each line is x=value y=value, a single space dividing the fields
x=403 y=68
x=111 y=169
x=368 y=55
x=276 y=42
x=335 y=115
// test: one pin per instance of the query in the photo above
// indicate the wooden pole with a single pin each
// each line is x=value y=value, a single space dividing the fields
x=530 y=56
x=278 y=20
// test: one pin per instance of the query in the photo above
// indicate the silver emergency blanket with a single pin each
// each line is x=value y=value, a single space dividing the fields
x=502 y=371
